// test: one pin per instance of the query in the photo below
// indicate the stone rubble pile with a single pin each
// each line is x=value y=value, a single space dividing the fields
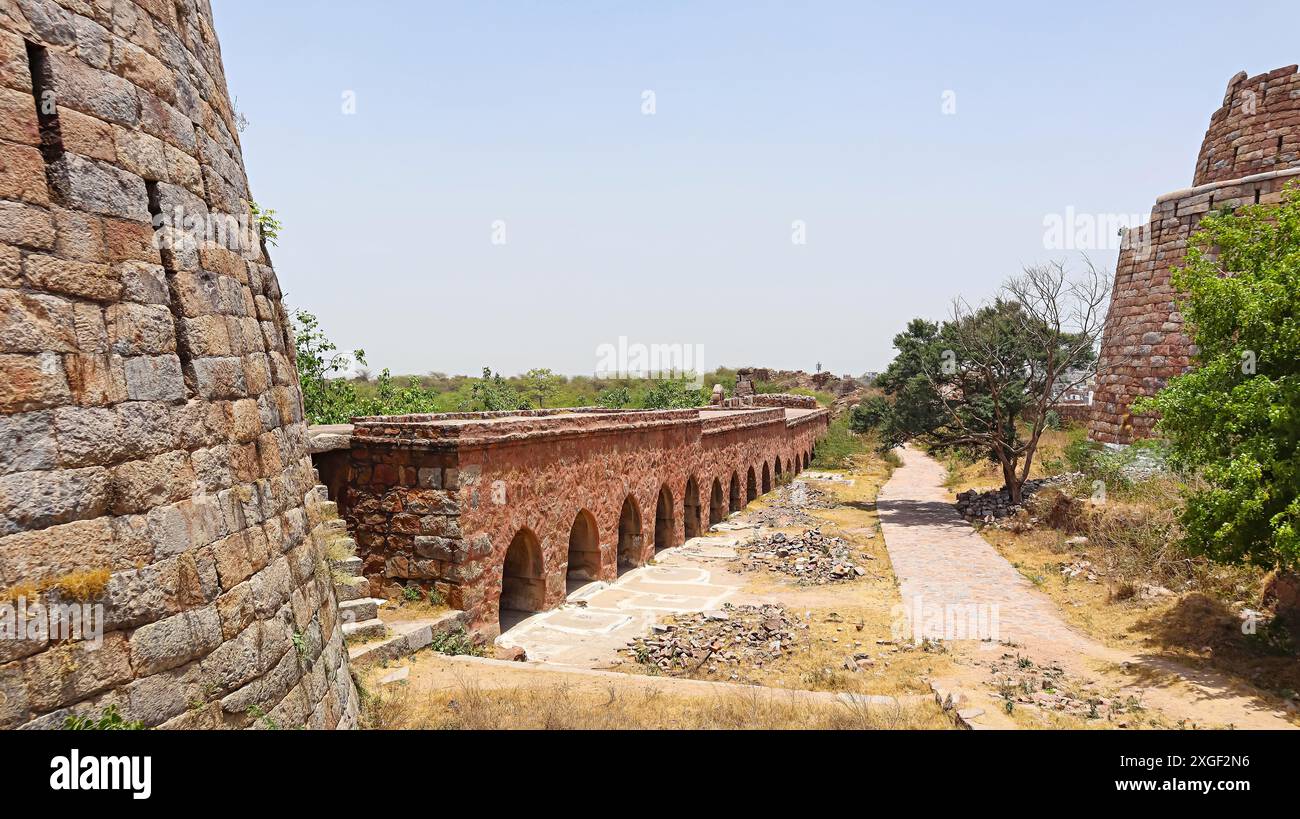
x=811 y=557
x=734 y=636
x=790 y=503
x=996 y=503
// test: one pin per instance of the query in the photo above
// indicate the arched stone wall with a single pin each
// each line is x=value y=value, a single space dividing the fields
x=462 y=500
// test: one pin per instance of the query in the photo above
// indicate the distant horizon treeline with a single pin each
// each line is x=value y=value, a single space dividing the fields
x=331 y=395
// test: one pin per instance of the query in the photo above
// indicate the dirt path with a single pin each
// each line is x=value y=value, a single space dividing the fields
x=951 y=579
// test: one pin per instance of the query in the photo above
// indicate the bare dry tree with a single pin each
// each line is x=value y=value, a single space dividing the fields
x=1014 y=359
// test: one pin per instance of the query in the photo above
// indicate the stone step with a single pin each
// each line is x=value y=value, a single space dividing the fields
x=350 y=566
x=351 y=588
x=364 y=630
x=360 y=609
x=405 y=638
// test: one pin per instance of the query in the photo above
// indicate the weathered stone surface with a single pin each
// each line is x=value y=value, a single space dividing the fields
x=26 y=442
x=1255 y=136
x=33 y=323
x=29 y=382
x=35 y=500
x=88 y=184
x=67 y=673
x=169 y=454
x=154 y=378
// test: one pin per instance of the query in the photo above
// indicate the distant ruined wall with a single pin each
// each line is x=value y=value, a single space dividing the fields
x=152 y=441
x=437 y=500
x=771 y=399
x=1250 y=153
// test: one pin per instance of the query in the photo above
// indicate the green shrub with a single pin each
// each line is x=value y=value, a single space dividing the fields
x=837 y=448
x=455 y=643
x=110 y=720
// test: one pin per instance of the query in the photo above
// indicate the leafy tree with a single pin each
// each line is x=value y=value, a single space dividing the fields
x=614 y=398
x=391 y=399
x=541 y=384
x=492 y=393
x=1236 y=415
x=988 y=379
x=674 y=393
x=327 y=397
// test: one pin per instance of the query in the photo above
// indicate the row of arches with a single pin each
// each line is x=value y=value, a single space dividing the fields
x=523 y=576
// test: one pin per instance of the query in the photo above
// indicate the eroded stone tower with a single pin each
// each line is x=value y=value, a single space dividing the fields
x=152 y=441
x=1250 y=153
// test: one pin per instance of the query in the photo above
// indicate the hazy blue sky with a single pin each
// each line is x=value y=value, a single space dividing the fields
x=676 y=227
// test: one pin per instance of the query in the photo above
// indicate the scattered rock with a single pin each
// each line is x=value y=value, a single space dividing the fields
x=996 y=503
x=1151 y=591
x=396 y=675
x=742 y=637
x=789 y=504
x=1021 y=682
x=811 y=557
x=512 y=653
x=1079 y=569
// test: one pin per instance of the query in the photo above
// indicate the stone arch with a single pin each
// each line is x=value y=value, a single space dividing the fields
x=691 y=509
x=629 y=533
x=665 y=521
x=717 y=503
x=523 y=575
x=767 y=479
x=751 y=486
x=584 y=547
x=733 y=494
x=779 y=471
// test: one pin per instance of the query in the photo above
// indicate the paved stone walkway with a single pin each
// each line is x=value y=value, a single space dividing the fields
x=950 y=576
x=940 y=561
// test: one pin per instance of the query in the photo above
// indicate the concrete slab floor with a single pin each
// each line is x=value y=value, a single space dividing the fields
x=599 y=617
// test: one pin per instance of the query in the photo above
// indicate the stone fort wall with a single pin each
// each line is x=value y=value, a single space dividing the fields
x=152 y=442
x=1250 y=153
x=485 y=504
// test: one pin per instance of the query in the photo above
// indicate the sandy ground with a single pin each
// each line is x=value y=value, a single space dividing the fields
x=941 y=562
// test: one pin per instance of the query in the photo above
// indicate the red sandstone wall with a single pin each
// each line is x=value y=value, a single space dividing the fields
x=446 y=516
x=1256 y=130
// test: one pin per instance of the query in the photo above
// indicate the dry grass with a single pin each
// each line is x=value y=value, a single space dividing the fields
x=564 y=706
x=1131 y=544
x=80 y=586
x=401 y=610
x=983 y=474
x=848 y=617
